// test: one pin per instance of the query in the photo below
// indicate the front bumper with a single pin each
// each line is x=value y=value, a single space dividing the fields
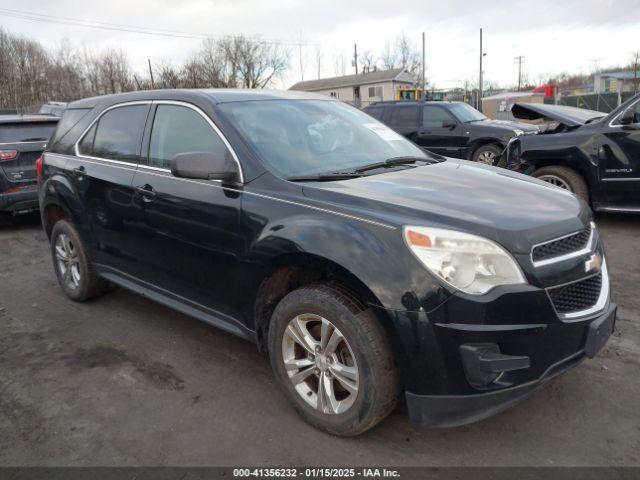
x=439 y=392
x=17 y=201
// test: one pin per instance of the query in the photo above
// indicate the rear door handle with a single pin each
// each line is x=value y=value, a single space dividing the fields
x=147 y=192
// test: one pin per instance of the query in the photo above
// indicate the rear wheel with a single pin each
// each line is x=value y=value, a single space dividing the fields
x=565 y=178
x=71 y=264
x=487 y=154
x=332 y=360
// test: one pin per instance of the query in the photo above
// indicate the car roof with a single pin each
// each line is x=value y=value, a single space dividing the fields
x=410 y=102
x=35 y=118
x=222 y=95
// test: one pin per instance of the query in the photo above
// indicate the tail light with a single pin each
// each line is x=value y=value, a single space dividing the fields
x=8 y=155
x=39 y=165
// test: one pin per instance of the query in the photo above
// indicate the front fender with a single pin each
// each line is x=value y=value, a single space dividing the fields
x=377 y=256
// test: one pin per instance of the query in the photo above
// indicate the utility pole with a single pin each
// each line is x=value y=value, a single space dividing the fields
x=355 y=57
x=153 y=85
x=519 y=59
x=424 y=96
x=480 y=80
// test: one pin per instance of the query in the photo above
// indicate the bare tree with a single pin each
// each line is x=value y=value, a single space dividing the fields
x=303 y=56
x=318 y=60
x=367 y=61
x=635 y=68
x=407 y=56
x=339 y=64
x=388 y=57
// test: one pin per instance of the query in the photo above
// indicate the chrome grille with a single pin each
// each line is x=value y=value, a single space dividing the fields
x=577 y=296
x=562 y=246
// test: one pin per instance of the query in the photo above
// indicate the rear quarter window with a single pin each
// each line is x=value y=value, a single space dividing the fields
x=69 y=119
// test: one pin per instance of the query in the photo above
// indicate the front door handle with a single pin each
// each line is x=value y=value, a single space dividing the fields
x=79 y=172
x=147 y=192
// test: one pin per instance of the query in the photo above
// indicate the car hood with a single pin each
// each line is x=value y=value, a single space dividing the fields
x=512 y=209
x=508 y=125
x=569 y=116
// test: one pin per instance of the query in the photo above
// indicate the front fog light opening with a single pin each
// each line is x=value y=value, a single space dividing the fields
x=484 y=364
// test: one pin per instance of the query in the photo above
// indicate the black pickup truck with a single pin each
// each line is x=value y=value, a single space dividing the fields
x=593 y=154
x=22 y=140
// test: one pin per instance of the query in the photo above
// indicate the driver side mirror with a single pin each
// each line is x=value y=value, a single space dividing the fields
x=628 y=117
x=204 y=166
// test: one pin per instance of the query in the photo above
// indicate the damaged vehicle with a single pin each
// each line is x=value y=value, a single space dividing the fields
x=593 y=154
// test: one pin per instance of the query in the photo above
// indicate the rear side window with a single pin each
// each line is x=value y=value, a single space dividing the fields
x=405 y=116
x=375 y=112
x=435 y=117
x=177 y=129
x=117 y=134
x=26 y=132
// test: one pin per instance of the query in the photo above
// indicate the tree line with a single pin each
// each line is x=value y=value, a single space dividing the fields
x=31 y=75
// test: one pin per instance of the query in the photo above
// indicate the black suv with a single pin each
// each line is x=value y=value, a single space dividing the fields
x=22 y=140
x=452 y=129
x=592 y=154
x=364 y=265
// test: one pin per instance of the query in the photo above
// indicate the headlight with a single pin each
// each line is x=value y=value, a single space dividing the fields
x=466 y=262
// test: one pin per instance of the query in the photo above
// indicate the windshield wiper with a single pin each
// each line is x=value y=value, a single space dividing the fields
x=389 y=162
x=34 y=139
x=325 y=177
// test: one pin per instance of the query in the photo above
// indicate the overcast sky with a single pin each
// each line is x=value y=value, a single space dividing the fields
x=553 y=36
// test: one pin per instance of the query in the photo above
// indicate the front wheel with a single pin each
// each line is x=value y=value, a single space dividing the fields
x=487 y=155
x=565 y=178
x=332 y=359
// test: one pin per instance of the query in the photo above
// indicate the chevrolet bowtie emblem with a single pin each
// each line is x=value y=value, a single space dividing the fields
x=594 y=263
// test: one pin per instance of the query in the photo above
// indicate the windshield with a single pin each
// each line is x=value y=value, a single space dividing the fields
x=466 y=113
x=26 y=132
x=313 y=137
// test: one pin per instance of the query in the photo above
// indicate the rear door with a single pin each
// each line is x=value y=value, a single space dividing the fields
x=440 y=132
x=20 y=146
x=102 y=171
x=404 y=119
x=619 y=153
x=190 y=242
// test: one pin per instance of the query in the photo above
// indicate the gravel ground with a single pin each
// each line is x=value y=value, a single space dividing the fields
x=123 y=381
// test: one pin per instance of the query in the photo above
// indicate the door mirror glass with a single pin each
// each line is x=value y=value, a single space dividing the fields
x=204 y=166
x=627 y=117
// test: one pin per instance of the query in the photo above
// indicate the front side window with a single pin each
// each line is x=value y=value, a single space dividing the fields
x=311 y=137
x=435 y=117
x=178 y=129
x=466 y=113
x=116 y=135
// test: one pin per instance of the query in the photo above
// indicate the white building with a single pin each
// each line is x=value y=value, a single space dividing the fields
x=365 y=88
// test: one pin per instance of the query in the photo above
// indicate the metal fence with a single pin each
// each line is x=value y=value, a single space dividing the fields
x=601 y=102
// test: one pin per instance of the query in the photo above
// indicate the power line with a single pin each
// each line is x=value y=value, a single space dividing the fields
x=78 y=22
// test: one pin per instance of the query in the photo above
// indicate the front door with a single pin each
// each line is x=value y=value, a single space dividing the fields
x=108 y=154
x=440 y=132
x=190 y=244
x=619 y=153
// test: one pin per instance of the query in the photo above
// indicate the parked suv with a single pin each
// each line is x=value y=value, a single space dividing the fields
x=452 y=129
x=22 y=140
x=592 y=154
x=365 y=266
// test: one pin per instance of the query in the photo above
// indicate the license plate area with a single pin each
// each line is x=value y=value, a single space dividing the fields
x=599 y=332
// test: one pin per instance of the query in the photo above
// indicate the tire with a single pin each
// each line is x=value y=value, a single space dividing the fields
x=487 y=154
x=564 y=177
x=363 y=337
x=75 y=275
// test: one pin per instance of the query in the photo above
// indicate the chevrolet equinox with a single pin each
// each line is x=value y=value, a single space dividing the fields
x=366 y=267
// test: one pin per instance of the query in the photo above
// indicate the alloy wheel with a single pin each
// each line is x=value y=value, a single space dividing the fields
x=556 y=181
x=320 y=364
x=68 y=261
x=487 y=157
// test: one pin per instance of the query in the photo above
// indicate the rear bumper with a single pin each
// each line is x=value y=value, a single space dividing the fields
x=451 y=410
x=23 y=200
